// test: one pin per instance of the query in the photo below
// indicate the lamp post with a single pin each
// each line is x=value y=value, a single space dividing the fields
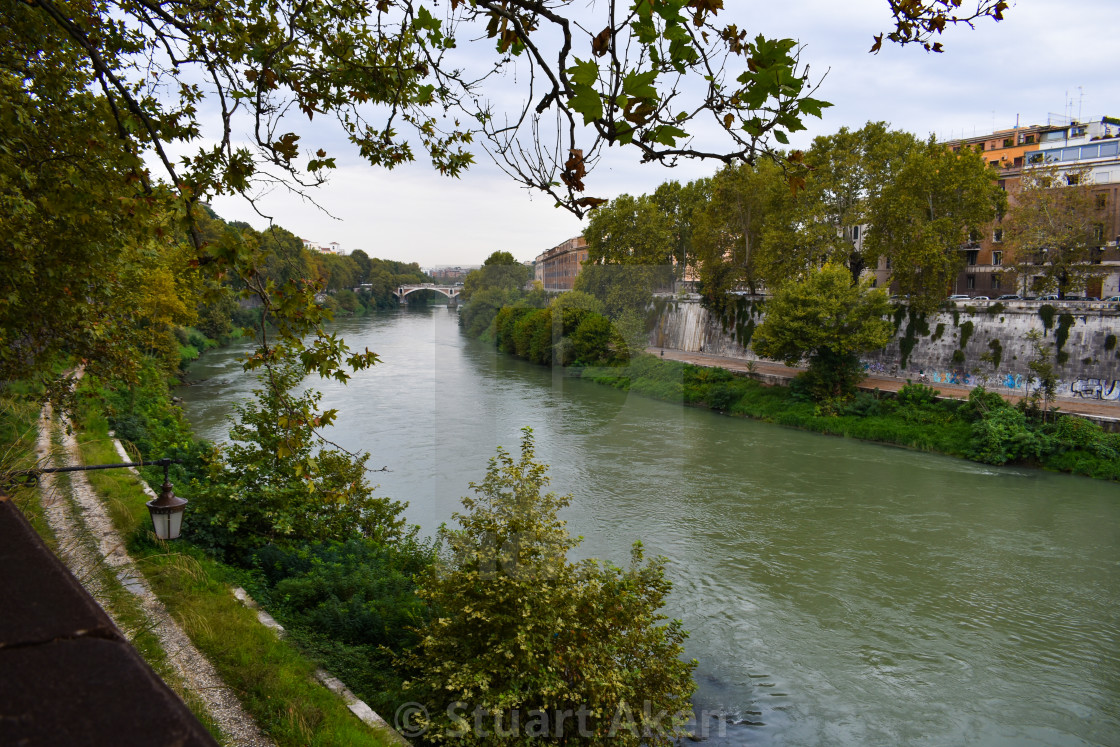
x=166 y=510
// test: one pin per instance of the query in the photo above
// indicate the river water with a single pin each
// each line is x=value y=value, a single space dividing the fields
x=837 y=592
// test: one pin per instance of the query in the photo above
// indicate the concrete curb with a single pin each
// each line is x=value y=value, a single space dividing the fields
x=356 y=705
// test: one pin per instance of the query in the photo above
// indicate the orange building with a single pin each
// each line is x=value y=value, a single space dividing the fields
x=558 y=267
x=1073 y=144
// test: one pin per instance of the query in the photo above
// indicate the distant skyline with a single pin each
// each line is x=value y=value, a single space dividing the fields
x=1047 y=57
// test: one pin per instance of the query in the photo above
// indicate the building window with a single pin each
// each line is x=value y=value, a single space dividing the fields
x=973 y=255
x=1029 y=140
x=997 y=236
x=997 y=258
x=970 y=282
x=995 y=282
x=1008 y=142
x=973 y=235
x=994 y=162
x=1098 y=233
x=1073 y=179
x=979 y=146
x=1102 y=200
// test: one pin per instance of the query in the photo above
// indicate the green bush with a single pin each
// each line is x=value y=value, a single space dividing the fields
x=721 y=397
x=980 y=403
x=1003 y=436
x=347 y=300
x=1078 y=433
x=541 y=337
x=352 y=605
x=864 y=405
x=917 y=395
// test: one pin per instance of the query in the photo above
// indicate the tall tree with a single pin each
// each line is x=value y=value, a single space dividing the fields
x=632 y=231
x=679 y=204
x=1053 y=231
x=822 y=317
x=729 y=227
x=631 y=243
x=923 y=219
x=90 y=262
x=845 y=174
x=499 y=272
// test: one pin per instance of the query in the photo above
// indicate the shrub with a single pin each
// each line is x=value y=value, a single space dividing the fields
x=917 y=395
x=592 y=340
x=521 y=629
x=1003 y=436
x=1079 y=433
x=967 y=328
x=864 y=405
x=721 y=397
x=980 y=404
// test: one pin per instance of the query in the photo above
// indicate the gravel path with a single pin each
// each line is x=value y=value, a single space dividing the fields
x=87 y=539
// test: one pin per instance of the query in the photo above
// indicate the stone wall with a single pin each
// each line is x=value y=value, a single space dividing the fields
x=970 y=344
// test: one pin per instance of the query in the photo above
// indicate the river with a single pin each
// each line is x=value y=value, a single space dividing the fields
x=837 y=592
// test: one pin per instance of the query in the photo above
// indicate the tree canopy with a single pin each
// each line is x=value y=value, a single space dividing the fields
x=824 y=318
x=120 y=117
x=926 y=215
x=1053 y=232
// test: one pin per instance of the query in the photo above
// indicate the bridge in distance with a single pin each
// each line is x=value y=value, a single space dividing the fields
x=451 y=291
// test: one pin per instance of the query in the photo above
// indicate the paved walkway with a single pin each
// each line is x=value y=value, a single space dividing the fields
x=1096 y=409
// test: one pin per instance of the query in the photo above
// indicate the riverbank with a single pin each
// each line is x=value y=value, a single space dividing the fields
x=1104 y=414
x=983 y=428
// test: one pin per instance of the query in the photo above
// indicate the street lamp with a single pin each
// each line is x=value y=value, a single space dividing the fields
x=166 y=510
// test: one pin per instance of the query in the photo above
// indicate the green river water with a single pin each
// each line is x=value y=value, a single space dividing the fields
x=837 y=592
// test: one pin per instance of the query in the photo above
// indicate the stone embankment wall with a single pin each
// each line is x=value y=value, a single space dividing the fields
x=969 y=344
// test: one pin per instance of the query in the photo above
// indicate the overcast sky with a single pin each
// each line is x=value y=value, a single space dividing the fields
x=1048 y=57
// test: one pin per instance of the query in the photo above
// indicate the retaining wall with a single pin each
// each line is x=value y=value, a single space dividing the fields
x=968 y=344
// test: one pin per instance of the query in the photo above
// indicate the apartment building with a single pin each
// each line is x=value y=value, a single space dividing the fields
x=1089 y=150
x=557 y=268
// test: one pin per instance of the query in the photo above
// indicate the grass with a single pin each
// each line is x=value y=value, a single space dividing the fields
x=272 y=678
x=18 y=433
x=934 y=427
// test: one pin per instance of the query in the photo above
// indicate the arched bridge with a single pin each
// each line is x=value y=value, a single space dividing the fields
x=451 y=291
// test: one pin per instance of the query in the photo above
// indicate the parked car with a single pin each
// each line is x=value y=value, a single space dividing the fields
x=1113 y=299
x=981 y=298
x=1049 y=297
x=1010 y=297
x=957 y=297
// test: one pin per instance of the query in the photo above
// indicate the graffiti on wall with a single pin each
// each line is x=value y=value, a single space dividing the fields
x=1106 y=389
x=1102 y=389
